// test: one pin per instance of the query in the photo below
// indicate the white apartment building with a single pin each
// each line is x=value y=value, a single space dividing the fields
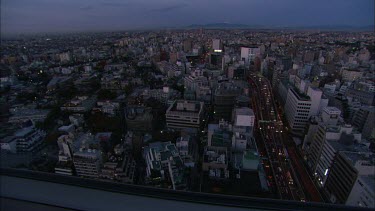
x=328 y=116
x=300 y=107
x=297 y=110
x=249 y=53
x=243 y=120
x=87 y=162
x=195 y=80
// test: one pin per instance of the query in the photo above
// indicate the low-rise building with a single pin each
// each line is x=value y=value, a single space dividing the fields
x=29 y=139
x=164 y=164
x=186 y=149
x=215 y=162
x=185 y=114
x=23 y=114
x=80 y=104
x=107 y=107
x=119 y=167
x=9 y=143
x=164 y=95
x=87 y=162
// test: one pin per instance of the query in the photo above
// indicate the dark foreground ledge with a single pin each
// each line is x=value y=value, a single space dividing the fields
x=87 y=194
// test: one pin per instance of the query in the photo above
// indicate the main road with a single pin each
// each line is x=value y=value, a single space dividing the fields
x=280 y=173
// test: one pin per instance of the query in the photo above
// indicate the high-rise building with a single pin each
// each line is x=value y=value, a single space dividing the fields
x=216 y=45
x=188 y=44
x=329 y=116
x=225 y=99
x=243 y=120
x=299 y=107
x=363 y=119
x=297 y=110
x=348 y=169
x=363 y=192
x=249 y=53
x=327 y=142
x=216 y=59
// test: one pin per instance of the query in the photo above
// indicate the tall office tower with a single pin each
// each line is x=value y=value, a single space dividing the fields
x=363 y=192
x=363 y=119
x=315 y=95
x=327 y=142
x=188 y=44
x=225 y=99
x=216 y=45
x=299 y=107
x=351 y=179
x=216 y=59
x=329 y=116
x=287 y=63
x=249 y=53
x=297 y=110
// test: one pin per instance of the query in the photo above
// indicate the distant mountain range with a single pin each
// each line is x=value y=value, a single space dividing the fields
x=223 y=25
x=245 y=26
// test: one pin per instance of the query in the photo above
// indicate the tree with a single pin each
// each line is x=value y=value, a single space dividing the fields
x=129 y=89
x=105 y=94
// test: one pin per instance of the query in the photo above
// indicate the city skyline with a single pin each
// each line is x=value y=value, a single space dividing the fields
x=69 y=16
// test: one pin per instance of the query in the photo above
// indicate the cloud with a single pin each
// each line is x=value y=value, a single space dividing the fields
x=170 y=8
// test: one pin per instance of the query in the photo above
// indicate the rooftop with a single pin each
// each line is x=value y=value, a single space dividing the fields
x=354 y=157
x=24 y=131
x=300 y=96
x=186 y=106
x=369 y=180
x=332 y=110
x=244 y=111
x=7 y=139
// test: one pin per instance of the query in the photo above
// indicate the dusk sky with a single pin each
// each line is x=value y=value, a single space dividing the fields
x=25 y=16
